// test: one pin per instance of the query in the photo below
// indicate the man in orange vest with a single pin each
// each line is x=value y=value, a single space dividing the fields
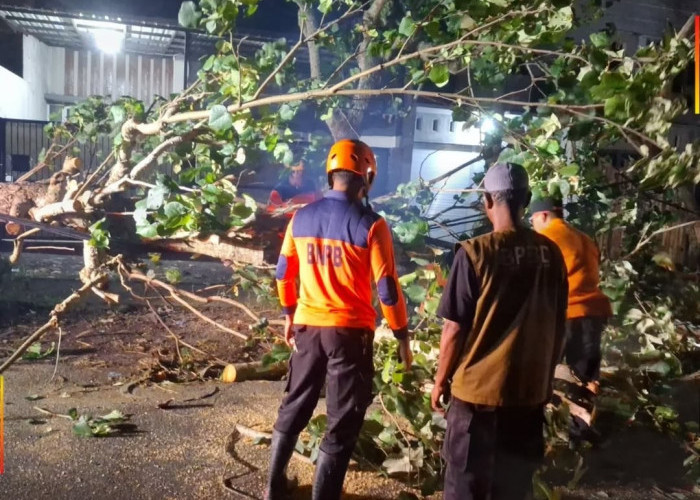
x=335 y=247
x=588 y=308
x=295 y=190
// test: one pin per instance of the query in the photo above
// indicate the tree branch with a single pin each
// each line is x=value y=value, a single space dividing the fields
x=176 y=293
x=18 y=243
x=304 y=39
x=429 y=50
x=149 y=160
x=178 y=340
x=645 y=241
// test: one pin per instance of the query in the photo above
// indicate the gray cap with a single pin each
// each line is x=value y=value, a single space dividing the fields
x=504 y=176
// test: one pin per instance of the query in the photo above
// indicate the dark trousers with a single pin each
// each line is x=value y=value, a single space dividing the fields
x=491 y=452
x=582 y=348
x=343 y=356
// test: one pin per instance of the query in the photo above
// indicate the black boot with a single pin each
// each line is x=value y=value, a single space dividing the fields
x=281 y=450
x=329 y=476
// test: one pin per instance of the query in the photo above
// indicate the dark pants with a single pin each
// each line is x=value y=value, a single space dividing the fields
x=491 y=452
x=344 y=357
x=582 y=349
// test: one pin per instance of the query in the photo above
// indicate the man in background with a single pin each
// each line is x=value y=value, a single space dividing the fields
x=504 y=309
x=295 y=189
x=587 y=313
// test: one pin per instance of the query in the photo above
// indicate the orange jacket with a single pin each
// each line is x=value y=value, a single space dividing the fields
x=276 y=202
x=581 y=256
x=335 y=246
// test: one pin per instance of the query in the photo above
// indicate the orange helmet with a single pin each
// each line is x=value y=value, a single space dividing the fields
x=354 y=156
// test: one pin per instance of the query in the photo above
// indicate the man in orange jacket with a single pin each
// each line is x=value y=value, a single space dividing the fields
x=296 y=189
x=335 y=246
x=588 y=307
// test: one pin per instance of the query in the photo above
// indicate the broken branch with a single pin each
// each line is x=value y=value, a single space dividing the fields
x=18 y=243
x=176 y=294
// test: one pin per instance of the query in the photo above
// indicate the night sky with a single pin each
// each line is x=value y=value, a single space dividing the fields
x=277 y=16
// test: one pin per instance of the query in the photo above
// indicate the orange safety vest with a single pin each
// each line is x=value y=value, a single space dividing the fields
x=335 y=247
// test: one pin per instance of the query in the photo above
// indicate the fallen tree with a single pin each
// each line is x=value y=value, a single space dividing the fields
x=173 y=180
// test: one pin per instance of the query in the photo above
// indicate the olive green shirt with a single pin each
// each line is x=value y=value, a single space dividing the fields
x=509 y=292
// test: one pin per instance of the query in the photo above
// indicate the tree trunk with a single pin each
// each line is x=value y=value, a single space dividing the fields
x=216 y=247
x=240 y=372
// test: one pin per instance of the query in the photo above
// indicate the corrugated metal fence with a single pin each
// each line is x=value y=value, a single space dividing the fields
x=22 y=143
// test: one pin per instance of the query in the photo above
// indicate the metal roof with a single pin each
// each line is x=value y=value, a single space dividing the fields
x=75 y=30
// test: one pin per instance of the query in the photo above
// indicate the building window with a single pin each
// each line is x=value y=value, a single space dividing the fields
x=419 y=123
x=19 y=163
x=436 y=126
x=452 y=126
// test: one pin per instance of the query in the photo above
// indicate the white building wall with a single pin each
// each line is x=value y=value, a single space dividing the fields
x=23 y=98
x=178 y=73
x=55 y=75
x=15 y=98
x=442 y=145
x=36 y=63
x=431 y=164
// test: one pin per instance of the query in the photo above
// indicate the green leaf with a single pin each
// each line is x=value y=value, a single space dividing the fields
x=286 y=112
x=552 y=147
x=73 y=413
x=82 y=427
x=407 y=26
x=600 y=39
x=564 y=188
x=407 y=279
x=416 y=293
x=211 y=26
x=615 y=108
x=569 y=170
x=611 y=85
x=261 y=440
x=220 y=119
x=114 y=415
x=439 y=75
x=174 y=209
x=34 y=351
x=173 y=275
x=118 y=114
x=148 y=231
x=188 y=16
x=99 y=237
x=156 y=197
x=140 y=216
x=325 y=6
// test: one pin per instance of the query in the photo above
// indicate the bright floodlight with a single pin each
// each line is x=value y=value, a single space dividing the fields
x=488 y=125
x=108 y=41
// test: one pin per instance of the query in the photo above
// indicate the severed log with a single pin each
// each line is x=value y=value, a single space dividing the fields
x=54 y=209
x=216 y=247
x=255 y=370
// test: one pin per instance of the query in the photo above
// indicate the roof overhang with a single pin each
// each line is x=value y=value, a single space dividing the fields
x=82 y=31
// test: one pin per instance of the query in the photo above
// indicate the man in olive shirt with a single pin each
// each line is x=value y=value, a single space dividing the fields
x=504 y=308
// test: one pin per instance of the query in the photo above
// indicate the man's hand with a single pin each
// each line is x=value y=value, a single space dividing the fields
x=289 y=331
x=435 y=396
x=405 y=352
